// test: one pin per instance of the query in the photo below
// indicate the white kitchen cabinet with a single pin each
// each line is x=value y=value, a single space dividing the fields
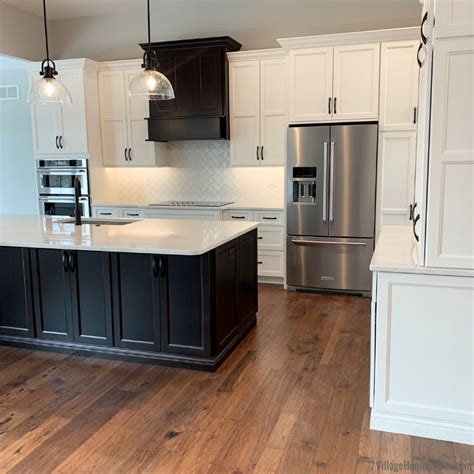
x=198 y=214
x=105 y=212
x=271 y=263
x=238 y=215
x=61 y=129
x=396 y=178
x=356 y=82
x=398 y=86
x=310 y=84
x=131 y=212
x=337 y=83
x=450 y=211
x=123 y=121
x=423 y=357
x=454 y=18
x=258 y=109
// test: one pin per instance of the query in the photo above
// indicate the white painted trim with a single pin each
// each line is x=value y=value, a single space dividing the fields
x=423 y=427
x=274 y=53
x=121 y=64
x=271 y=280
x=394 y=34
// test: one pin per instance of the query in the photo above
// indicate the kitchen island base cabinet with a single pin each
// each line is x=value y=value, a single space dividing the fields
x=185 y=311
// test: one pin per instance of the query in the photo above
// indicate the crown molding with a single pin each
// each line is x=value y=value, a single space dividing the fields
x=374 y=36
x=121 y=64
x=274 y=53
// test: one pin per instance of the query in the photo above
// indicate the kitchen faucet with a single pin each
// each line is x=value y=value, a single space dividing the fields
x=77 y=207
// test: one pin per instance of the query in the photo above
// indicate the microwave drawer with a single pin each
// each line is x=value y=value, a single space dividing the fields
x=329 y=263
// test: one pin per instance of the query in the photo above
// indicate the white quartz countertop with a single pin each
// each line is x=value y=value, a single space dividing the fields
x=397 y=251
x=235 y=205
x=153 y=236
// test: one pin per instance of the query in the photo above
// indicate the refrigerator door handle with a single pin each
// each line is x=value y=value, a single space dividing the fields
x=325 y=181
x=331 y=195
x=325 y=242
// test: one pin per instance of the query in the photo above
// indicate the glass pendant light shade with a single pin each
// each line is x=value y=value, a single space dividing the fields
x=49 y=90
x=152 y=85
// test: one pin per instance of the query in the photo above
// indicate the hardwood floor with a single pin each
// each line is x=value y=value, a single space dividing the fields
x=293 y=398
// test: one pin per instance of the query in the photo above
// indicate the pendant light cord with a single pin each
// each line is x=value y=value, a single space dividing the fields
x=149 y=26
x=46 y=31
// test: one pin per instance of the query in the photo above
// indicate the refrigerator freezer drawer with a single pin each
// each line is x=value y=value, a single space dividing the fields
x=329 y=263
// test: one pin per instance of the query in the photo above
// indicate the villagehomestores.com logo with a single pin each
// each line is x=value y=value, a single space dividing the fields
x=423 y=466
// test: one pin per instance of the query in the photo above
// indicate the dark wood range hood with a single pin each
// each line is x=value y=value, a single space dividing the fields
x=199 y=72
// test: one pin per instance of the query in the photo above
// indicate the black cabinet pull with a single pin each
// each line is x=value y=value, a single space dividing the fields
x=329 y=105
x=130 y=214
x=414 y=114
x=238 y=217
x=129 y=154
x=57 y=145
x=422 y=34
x=125 y=154
x=418 y=60
x=61 y=142
x=412 y=210
x=259 y=238
x=257 y=153
x=154 y=265
x=72 y=262
x=261 y=153
x=105 y=213
x=269 y=218
x=259 y=263
x=65 y=261
x=415 y=221
x=335 y=105
x=162 y=267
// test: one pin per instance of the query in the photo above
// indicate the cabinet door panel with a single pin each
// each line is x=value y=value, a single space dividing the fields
x=113 y=116
x=16 y=306
x=46 y=123
x=73 y=117
x=92 y=298
x=398 y=86
x=454 y=18
x=273 y=111
x=311 y=76
x=185 y=322
x=227 y=316
x=136 y=302
x=245 y=112
x=356 y=82
x=52 y=292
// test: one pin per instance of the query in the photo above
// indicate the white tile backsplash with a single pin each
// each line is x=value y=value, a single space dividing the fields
x=198 y=170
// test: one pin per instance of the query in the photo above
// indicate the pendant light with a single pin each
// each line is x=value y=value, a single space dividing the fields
x=150 y=83
x=48 y=90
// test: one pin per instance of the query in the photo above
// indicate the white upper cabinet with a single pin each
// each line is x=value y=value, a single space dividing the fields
x=337 y=83
x=398 y=86
x=123 y=125
x=356 y=82
x=450 y=213
x=258 y=109
x=310 y=84
x=454 y=18
x=60 y=129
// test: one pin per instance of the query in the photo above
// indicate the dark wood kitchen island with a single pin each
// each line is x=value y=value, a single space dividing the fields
x=171 y=292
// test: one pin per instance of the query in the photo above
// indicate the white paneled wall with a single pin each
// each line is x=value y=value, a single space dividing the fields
x=198 y=170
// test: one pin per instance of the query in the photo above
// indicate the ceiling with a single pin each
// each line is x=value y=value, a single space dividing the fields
x=66 y=9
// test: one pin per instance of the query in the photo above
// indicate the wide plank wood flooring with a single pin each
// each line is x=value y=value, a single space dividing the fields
x=293 y=398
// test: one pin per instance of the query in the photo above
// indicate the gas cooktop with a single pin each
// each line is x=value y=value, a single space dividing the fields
x=192 y=203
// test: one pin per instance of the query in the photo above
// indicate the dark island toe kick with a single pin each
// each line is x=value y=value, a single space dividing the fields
x=173 y=310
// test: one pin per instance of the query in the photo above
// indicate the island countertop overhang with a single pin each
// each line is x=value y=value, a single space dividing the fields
x=151 y=236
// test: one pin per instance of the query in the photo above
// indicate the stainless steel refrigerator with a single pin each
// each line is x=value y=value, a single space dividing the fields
x=331 y=206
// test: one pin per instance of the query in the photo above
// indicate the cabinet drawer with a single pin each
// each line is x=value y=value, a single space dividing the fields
x=270 y=263
x=130 y=212
x=271 y=238
x=105 y=212
x=269 y=217
x=184 y=214
x=230 y=215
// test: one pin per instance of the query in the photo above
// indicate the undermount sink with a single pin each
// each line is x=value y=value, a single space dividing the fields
x=94 y=221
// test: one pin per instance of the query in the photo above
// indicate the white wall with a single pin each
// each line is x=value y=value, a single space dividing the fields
x=21 y=33
x=255 y=23
x=17 y=170
x=198 y=170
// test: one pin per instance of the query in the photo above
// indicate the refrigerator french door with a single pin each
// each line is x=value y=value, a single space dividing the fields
x=331 y=206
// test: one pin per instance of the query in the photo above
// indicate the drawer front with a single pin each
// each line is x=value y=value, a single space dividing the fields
x=333 y=263
x=172 y=214
x=270 y=264
x=105 y=212
x=131 y=212
x=271 y=238
x=270 y=217
x=230 y=215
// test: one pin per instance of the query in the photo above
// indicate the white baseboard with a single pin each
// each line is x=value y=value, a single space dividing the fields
x=271 y=280
x=423 y=427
